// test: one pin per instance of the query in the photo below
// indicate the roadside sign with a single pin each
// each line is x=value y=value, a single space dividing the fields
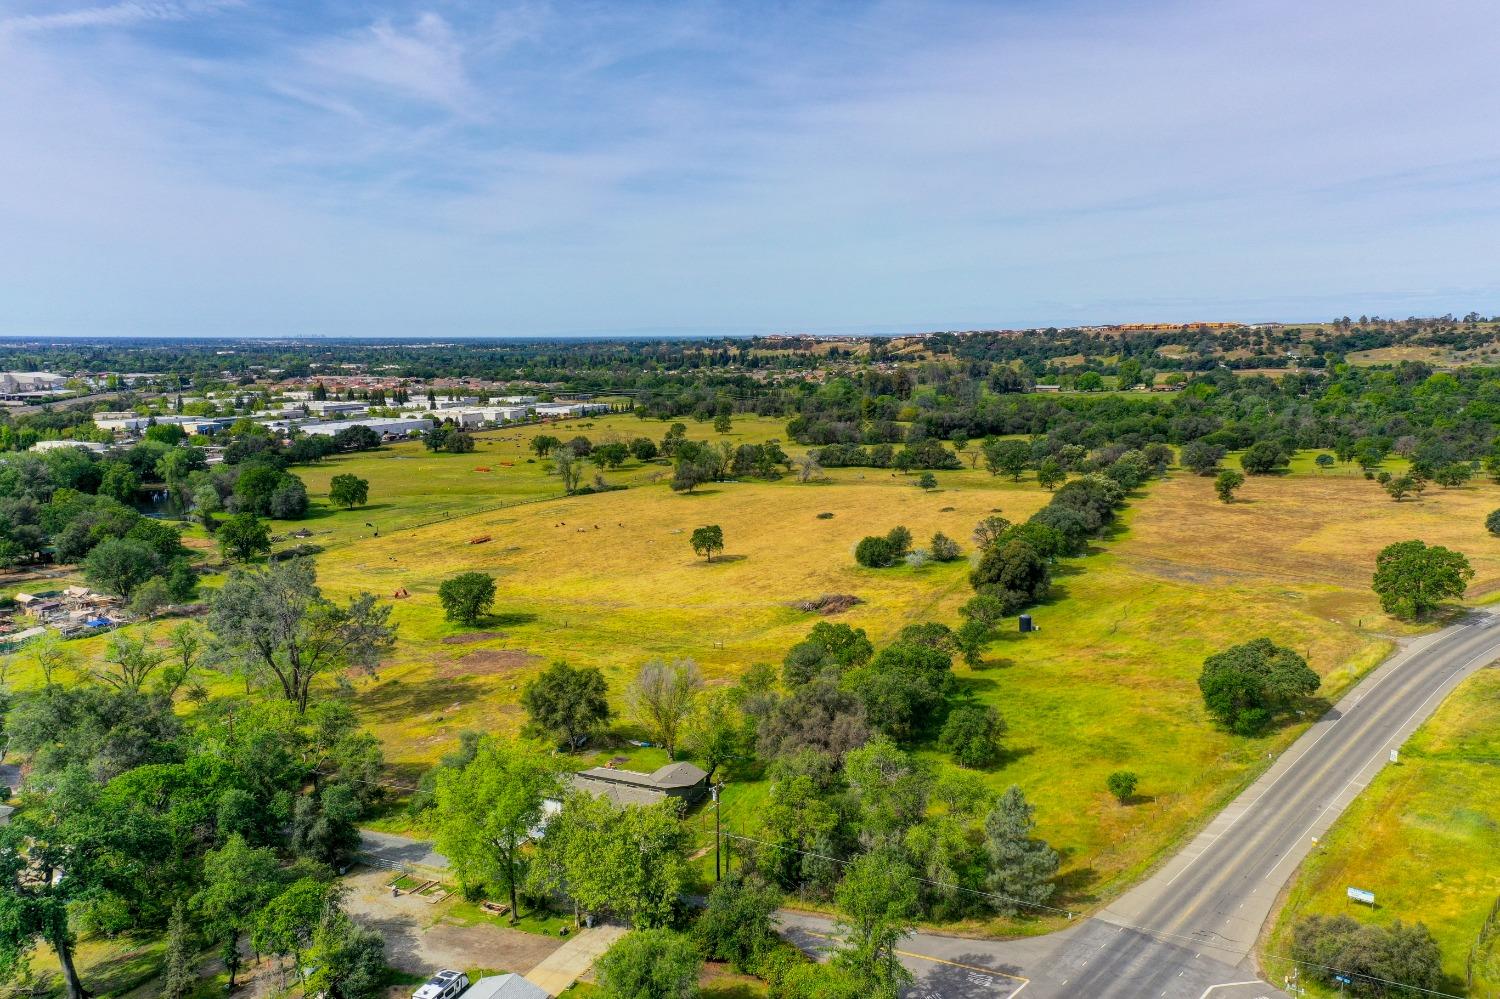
x=1343 y=979
x=1395 y=756
x=1360 y=895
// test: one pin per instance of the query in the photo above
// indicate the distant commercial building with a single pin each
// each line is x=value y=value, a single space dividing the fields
x=22 y=382
x=473 y=416
x=560 y=410
x=330 y=407
x=134 y=422
x=92 y=446
x=382 y=426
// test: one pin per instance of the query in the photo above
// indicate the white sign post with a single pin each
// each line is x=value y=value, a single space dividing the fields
x=1360 y=895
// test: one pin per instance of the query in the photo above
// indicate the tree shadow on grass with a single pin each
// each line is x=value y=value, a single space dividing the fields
x=972 y=686
x=398 y=700
x=718 y=559
x=507 y=619
x=1055 y=595
x=1076 y=887
x=1011 y=754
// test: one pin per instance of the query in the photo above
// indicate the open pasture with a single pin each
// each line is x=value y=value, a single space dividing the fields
x=1109 y=683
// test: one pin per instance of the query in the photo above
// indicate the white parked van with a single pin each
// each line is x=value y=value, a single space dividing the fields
x=443 y=985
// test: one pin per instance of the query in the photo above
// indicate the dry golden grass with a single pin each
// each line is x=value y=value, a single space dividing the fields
x=1314 y=528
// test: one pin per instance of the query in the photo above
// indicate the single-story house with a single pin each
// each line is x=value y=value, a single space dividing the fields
x=628 y=787
x=505 y=987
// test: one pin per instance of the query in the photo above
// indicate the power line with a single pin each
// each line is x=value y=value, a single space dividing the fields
x=1176 y=939
x=1163 y=935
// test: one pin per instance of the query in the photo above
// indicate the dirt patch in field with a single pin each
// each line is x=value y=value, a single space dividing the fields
x=828 y=604
x=474 y=638
x=489 y=662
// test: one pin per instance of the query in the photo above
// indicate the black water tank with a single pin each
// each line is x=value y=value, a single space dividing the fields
x=1026 y=623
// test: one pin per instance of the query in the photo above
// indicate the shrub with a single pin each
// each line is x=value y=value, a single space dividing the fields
x=1227 y=482
x=650 y=964
x=972 y=736
x=943 y=548
x=738 y=923
x=1369 y=955
x=1121 y=784
x=875 y=552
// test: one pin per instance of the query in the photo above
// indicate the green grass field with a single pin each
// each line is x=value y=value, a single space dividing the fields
x=1424 y=837
x=1108 y=683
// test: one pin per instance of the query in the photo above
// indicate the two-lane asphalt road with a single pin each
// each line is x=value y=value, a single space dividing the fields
x=1189 y=929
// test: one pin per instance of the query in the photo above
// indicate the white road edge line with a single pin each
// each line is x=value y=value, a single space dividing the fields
x=1229 y=985
x=1399 y=660
x=1492 y=652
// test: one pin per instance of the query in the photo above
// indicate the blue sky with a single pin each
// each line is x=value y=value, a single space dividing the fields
x=213 y=167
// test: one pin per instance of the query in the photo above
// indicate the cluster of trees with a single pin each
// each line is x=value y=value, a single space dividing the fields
x=246 y=439
x=830 y=730
x=568 y=457
x=449 y=438
x=60 y=504
x=1371 y=959
x=922 y=454
x=1439 y=418
x=1014 y=568
x=224 y=827
x=697 y=462
x=1419 y=474
x=881 y=551
x=1247 y=687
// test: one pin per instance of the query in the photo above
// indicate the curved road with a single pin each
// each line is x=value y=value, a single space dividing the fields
x=1188 y=931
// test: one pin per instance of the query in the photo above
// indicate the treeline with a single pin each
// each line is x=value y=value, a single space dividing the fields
x=1439 y=417
x=224 y=827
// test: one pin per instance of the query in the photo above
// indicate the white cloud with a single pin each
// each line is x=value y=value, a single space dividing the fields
x=113 y=15
x=423 y=61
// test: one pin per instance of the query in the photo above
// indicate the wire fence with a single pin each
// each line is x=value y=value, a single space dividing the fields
x=1481 y=943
